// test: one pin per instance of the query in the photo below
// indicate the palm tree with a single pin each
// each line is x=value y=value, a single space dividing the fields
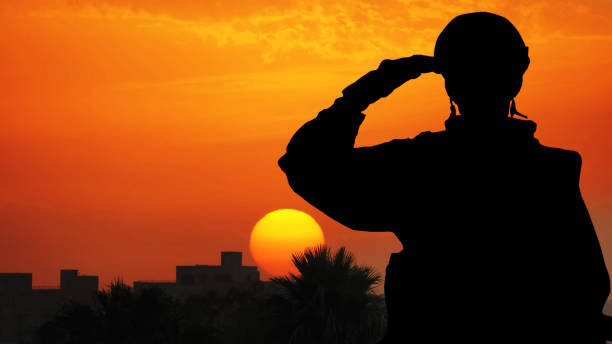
x=332 y=298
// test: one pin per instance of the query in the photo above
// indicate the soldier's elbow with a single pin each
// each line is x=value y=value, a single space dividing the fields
x=282 y=163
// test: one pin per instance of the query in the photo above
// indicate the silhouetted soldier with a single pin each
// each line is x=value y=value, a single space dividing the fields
x=498 y=245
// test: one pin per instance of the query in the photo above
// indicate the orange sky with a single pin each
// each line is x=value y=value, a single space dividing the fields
x=139 y=135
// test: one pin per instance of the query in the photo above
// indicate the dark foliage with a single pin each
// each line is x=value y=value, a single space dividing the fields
x=331 y=301
x=332 y=298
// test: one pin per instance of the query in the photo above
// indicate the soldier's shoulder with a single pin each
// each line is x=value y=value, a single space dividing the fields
x=560 y=154
x=431 y=137
x=424 y=138
x=560 y=158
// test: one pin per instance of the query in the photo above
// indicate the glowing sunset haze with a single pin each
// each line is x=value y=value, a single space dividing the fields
x=140 y=135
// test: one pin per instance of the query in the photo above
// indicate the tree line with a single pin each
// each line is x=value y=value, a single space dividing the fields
x=330 y=300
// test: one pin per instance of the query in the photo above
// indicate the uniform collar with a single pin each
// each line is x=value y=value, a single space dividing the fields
x=508 y=129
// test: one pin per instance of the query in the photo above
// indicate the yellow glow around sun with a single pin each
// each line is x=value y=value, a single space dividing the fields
x=279 y=234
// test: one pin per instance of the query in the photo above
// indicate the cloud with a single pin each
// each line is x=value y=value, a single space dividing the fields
x=195 y=9
x=343 y=31
x=346 y=30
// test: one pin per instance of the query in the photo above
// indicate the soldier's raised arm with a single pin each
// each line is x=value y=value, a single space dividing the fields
x=354 y=186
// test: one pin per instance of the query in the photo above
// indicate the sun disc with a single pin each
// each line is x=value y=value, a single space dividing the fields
x=279 y=234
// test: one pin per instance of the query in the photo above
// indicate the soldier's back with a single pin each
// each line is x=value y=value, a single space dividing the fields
x=498 y=241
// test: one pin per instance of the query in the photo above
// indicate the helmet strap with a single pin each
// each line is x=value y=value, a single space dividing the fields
x=513 y=110
x=453 y=110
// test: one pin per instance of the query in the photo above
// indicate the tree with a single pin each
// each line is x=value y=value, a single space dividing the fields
x=330 y=301
x=333 y=299
x=74 y=323
x=118 y=316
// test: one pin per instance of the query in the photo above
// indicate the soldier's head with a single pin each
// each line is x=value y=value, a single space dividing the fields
x=482 y=58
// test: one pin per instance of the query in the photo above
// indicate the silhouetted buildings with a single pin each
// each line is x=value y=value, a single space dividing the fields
x=197 y=279
x=23 y=308
x=78 y=288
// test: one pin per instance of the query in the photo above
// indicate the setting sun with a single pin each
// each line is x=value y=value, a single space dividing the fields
x=279 y=234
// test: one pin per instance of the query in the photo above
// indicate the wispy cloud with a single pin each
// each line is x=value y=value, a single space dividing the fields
x=354 y=31
x=344 y=30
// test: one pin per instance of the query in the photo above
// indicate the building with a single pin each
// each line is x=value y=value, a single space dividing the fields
x=198 y=279
x=79 y=288
x=24 y=308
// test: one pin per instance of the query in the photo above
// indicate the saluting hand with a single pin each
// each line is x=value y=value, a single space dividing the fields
x=390 y=75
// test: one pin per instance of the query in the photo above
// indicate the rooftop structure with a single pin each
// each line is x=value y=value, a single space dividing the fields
x=194 y=279
x=24 y=308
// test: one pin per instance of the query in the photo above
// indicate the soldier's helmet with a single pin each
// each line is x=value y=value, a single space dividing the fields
x=481 y=56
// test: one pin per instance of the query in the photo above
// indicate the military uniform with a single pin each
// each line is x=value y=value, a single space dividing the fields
x=498 y=245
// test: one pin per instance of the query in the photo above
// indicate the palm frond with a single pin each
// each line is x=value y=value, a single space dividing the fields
x=333 y=298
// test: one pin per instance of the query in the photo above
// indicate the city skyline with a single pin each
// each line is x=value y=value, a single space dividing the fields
x=25 y=307
x=229 y=262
